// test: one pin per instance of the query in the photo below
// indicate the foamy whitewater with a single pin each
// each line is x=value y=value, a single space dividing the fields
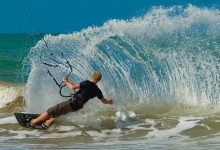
x=161 y=69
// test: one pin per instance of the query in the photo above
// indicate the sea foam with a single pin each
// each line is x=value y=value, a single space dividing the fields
x=9 y=92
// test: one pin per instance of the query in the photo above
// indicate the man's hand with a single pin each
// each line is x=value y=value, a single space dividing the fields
x=65 y=79
x=110 y=101
x=105 y=101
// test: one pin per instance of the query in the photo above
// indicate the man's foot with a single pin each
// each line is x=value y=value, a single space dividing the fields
x=27 y=118
x=44 y=126
x=29 y=125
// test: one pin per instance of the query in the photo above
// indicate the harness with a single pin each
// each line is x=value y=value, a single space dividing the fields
x=81 y=97
x=77 y=101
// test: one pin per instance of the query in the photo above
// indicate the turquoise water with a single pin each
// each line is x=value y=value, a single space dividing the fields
x=162 y=70
x=13 y=51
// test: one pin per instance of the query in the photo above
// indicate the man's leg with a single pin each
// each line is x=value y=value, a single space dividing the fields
x=42 y=117
x=50 y=121
x=56 y=111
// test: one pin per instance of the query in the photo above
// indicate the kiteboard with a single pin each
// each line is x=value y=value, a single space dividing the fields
x=21 y=118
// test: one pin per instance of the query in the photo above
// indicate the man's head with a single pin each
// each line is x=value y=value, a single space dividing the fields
x=97 y=76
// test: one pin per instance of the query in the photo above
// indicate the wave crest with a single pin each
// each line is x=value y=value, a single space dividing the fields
x=168 y=56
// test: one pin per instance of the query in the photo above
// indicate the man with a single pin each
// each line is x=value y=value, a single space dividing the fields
x=87 y=90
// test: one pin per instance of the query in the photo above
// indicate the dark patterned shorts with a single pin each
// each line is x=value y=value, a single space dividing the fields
x=60 y=109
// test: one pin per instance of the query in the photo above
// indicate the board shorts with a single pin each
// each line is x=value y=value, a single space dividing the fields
x=60 y=109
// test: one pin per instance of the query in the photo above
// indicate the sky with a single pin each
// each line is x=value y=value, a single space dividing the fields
x=67 y=16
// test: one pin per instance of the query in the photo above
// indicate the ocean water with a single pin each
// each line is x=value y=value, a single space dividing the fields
x=161 y=69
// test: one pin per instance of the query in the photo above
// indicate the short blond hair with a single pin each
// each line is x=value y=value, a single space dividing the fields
x=97 y=76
